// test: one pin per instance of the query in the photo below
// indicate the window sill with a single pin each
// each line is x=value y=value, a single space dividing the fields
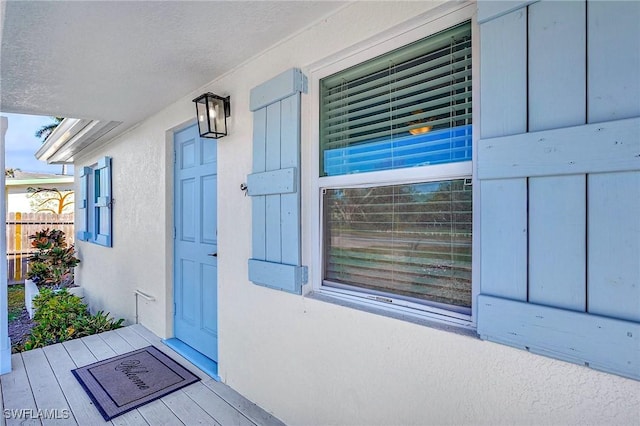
x=378 y=309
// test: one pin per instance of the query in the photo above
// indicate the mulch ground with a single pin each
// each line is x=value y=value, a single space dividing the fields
x=20 y=328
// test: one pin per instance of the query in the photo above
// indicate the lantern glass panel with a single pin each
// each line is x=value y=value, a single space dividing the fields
x=203 y=122
x=216 y=116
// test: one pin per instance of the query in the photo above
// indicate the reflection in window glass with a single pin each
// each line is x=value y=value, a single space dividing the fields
x=410 y=107
x=410 y=240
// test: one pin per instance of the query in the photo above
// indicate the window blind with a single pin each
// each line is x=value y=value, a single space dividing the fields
x=409 y=240
x=412 y=105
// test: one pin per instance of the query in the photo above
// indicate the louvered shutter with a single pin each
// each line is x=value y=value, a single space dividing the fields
x=82 y=223
x=274 y=184
x=103 y=202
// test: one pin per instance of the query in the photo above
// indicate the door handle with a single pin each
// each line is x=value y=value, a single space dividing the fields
x=213 y=254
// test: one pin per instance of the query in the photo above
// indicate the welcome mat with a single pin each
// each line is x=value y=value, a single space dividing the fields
x=124 y=382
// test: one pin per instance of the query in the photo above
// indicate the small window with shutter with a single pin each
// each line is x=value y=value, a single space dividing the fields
x=94 y=224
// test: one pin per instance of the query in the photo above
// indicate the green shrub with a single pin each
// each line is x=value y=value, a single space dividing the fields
x=61 y=316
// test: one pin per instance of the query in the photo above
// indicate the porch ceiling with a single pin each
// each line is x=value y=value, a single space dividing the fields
x=123 y=61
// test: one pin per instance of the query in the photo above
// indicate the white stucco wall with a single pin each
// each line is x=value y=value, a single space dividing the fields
x=305 y=360
x=141 y=254
x=18 y=202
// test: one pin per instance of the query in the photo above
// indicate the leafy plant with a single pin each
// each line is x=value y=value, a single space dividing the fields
x=39 y=272
x=53 y=261
x=48 y=237
x=98 y=323
x=61 y=316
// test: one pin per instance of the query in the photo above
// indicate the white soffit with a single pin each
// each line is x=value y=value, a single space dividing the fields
x=118 y=61
x=70 y=137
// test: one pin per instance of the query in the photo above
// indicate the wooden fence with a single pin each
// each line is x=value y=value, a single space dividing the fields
x=19 y=227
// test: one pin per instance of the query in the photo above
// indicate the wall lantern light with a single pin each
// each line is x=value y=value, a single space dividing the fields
x=212 y=112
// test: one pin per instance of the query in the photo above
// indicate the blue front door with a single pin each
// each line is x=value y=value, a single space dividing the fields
x=196 y=242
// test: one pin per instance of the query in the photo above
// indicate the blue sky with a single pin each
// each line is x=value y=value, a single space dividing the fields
x=21 y=143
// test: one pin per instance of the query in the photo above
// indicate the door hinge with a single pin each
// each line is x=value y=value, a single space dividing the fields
x=175 y=157
x=174 y=232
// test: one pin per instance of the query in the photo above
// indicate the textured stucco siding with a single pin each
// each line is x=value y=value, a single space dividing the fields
x=305 y=360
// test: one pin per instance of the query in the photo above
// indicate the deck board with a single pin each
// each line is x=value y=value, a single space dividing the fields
x=215 y=406
x=132 y=418
x=98 y=347
x=42 y=379
x=79 y=402
x=133 y=338
x=79 y=353
x=254 y=413
x=46 y=389
x=157 y=413
x=187 y=410
x=16 y=392
x=116 y=342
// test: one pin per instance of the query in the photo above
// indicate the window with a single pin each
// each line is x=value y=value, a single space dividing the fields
x=413 y=240
x=94 y=221
x=410 y=107
x=395 y=138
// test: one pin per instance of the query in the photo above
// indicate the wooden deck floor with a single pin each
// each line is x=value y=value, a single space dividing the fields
x=41 y=383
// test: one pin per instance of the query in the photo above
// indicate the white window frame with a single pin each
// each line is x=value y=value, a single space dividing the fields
x=431 y=23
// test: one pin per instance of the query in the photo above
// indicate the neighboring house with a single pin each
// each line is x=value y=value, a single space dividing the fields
x=439 y=214
x=34 y=201
x=20 y=192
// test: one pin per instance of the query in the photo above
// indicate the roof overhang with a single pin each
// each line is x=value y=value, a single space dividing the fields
x=72 y=136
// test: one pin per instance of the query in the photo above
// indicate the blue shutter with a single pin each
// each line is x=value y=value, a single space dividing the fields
x=559 y=227
x=82 y=224
x=103 y=202
x=275 y=183
x=603 y=343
